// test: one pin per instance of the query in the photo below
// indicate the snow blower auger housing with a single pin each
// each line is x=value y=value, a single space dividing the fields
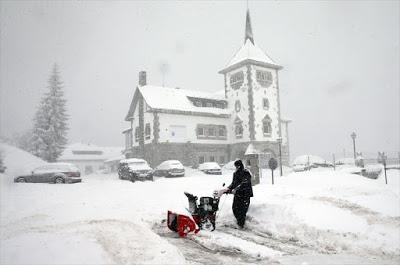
x=203 y=215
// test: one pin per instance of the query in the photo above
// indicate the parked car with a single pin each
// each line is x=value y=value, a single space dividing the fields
x=52 y=173
x=170 y=168
x=210 y=168
x=134 y=169
x=229 y=166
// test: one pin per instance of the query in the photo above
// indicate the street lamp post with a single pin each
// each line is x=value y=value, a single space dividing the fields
x=280 y=154
x=353 y=136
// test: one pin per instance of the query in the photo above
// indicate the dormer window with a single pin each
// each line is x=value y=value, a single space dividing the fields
x=264 y=78
x=236 y=80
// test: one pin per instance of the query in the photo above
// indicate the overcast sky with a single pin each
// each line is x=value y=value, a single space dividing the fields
x=340 y=59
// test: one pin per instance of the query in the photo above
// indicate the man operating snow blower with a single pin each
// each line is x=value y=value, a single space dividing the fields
x=203 y=214
x=242 y=190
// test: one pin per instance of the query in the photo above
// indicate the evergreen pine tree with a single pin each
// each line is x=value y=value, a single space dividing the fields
x=50 y=122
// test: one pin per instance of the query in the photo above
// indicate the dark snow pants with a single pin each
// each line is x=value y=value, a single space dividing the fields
x=239 y=207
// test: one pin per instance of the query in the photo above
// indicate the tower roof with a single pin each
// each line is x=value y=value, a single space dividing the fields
x=248 y=32
x=249 y=52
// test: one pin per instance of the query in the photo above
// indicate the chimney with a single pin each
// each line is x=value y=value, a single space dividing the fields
x=142 y=78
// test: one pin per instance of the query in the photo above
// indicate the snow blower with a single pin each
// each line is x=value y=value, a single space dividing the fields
x=203 y=214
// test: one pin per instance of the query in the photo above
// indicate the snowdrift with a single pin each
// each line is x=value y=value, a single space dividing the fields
x=18 y=161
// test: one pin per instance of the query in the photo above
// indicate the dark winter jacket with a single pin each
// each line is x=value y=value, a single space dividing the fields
x=242 y=183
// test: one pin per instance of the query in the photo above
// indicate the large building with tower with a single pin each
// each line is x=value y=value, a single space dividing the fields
x=196 y=127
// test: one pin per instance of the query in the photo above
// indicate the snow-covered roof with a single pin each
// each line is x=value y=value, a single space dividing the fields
x=251 y=150
x=166 y=98
x=81 y=151
x=252 y=52
x=133 y=160
x=206 y=95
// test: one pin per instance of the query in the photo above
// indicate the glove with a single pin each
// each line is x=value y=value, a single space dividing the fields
x=222 y=191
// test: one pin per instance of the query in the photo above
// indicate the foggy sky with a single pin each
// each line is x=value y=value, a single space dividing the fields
x=340 y=59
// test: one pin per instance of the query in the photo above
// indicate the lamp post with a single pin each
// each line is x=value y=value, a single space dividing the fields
x=353 y=136
x=279 y=140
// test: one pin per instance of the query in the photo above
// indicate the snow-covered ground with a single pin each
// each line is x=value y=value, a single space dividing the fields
x=313 y=217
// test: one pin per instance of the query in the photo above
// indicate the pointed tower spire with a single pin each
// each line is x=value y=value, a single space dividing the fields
x=249 y=32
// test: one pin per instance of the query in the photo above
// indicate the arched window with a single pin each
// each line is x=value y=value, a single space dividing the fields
x=267 y=128
x=265 y=103
x=238 y=127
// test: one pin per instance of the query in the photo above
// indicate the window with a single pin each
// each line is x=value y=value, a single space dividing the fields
x=209 y=104
x=211 y=132
x=212 y=159
x=197 y=103
x=220 y=105
x=128 y=139
x=236 y=80
x=222 y=131
x=238 y=127
x=137 y=134
x=265 y=103
x=147 y=131
x=200 y=131
x=264 y=78
x=267 y=128
x=201 y=159
x=237 y=106
x=239 y=130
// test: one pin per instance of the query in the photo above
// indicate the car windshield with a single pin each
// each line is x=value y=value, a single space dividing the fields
x=137 y=163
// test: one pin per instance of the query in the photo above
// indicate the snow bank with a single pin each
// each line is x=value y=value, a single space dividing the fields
x=17 y=161
x=315 y=213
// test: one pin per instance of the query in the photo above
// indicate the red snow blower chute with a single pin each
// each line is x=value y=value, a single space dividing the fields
x=203 y=214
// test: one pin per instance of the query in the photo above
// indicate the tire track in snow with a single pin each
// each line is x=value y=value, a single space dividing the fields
x=371 y=217
x=289 y=246
x=198 y=249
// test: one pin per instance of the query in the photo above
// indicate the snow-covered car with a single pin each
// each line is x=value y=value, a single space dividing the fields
x=52 y=173
x=301 y=167
x=229 y=166
x=210 y=168
x=134 y=169
x=170 y=168
x=307 y=162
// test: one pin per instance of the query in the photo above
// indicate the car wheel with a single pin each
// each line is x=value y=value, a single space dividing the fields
x=21 y=180
x=59 y=180
x=132 y=178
